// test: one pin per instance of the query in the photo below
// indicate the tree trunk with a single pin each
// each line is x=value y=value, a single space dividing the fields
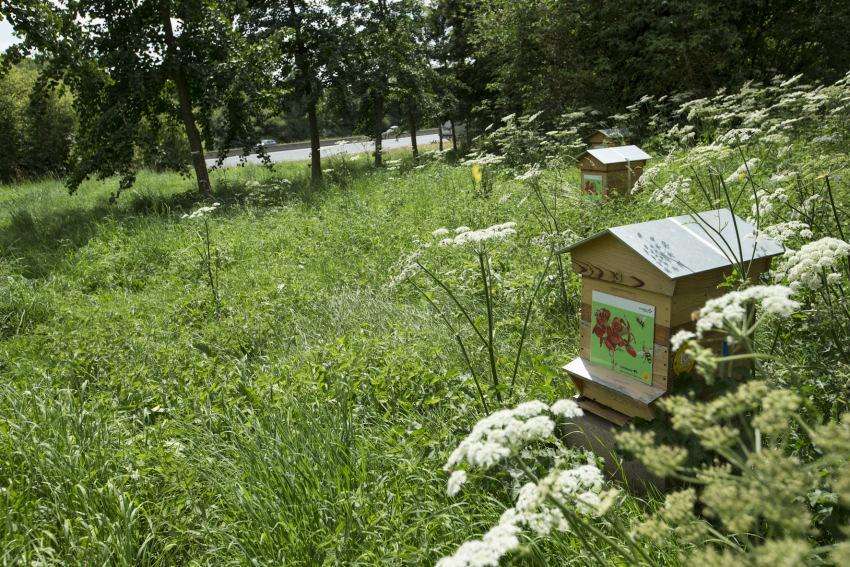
x=379 y=126
x=454 y=135
x=185 y=101
x=411 y=117
x=315 y=145
x=310 y=90
x=440 y=136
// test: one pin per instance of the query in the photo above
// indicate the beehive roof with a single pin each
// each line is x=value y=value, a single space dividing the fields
x=613 y=132
x=691 y=244
x=619 y=154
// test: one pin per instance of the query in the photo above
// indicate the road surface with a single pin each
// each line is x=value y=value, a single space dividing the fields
x=351 y=148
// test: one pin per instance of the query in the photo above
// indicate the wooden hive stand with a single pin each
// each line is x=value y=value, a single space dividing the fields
x=640 y=285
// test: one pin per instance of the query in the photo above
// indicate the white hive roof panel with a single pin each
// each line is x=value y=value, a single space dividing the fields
x=691 y=244
x=619 y=154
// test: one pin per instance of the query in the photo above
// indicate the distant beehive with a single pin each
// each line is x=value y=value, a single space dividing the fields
x=608 y=137
x=640 y=285
x=607 y=170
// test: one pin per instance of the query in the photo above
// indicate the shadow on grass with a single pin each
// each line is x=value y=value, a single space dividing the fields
x=37 y=243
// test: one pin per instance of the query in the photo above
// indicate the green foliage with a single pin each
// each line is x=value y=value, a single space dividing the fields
x=36 y=126
x=554 y=54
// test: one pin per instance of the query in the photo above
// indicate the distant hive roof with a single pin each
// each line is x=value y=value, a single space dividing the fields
x=684 y=246
x=619 y=154
x=613 y=132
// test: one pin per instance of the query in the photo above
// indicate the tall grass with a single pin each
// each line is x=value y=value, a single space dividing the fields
x=304 y=425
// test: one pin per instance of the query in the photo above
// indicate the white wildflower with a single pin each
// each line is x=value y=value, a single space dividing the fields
x=456 y=481
x=680 y=338
x=825 y=139
x=534 y=117
x=533 y=173
x=737 y=135
x=487 y=551
x=555 y=239
x=809 y=266
x=467 y=236
x=732 y=308
x=530 y=409
x=744 y=170
x=202 y=211
x=677 y=186
x=566 y=408
x=784 y=230
x=486 y=159
x=407 y=268
x=442 y=231
x=502 y=434
x=788 y=82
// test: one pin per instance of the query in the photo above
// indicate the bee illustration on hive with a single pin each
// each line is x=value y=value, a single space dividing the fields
x=646 y=354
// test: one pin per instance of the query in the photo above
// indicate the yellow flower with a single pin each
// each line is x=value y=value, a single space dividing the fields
x=477 y=172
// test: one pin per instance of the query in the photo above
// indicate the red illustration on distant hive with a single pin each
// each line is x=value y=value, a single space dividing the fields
x=617 y=334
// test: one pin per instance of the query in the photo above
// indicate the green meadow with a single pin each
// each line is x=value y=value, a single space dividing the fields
x=305 y=422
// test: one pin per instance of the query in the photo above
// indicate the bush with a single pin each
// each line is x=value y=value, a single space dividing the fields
x=37 y=123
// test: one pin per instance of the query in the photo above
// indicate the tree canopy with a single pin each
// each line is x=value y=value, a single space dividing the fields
x=229 y=72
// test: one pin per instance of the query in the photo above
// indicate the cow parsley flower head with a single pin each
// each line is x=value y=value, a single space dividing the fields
x=566 y=408
x=533 y=173
x=744 y=170
x=487 y=551
x=680 y=338
x=738 y=136
x=467 y=236
x=537 y=508
x=504 y=433
x=814 y=263
x=456 y=481
x=676 y=186
x=783 y=231
x=202 y=211
x=731 y=309
x=485 y=159
x=442 y=231
x=542 y=505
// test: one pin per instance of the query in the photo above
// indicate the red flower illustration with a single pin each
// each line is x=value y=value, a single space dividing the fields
x=614 y=336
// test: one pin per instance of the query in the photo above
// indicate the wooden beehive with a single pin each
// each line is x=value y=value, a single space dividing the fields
x=608 y=137
x=611 y=170
x=650 y=277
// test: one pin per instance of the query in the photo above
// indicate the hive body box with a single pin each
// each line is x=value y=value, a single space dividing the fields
x=652 y=276
x=611 y=170
x=608 y=137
